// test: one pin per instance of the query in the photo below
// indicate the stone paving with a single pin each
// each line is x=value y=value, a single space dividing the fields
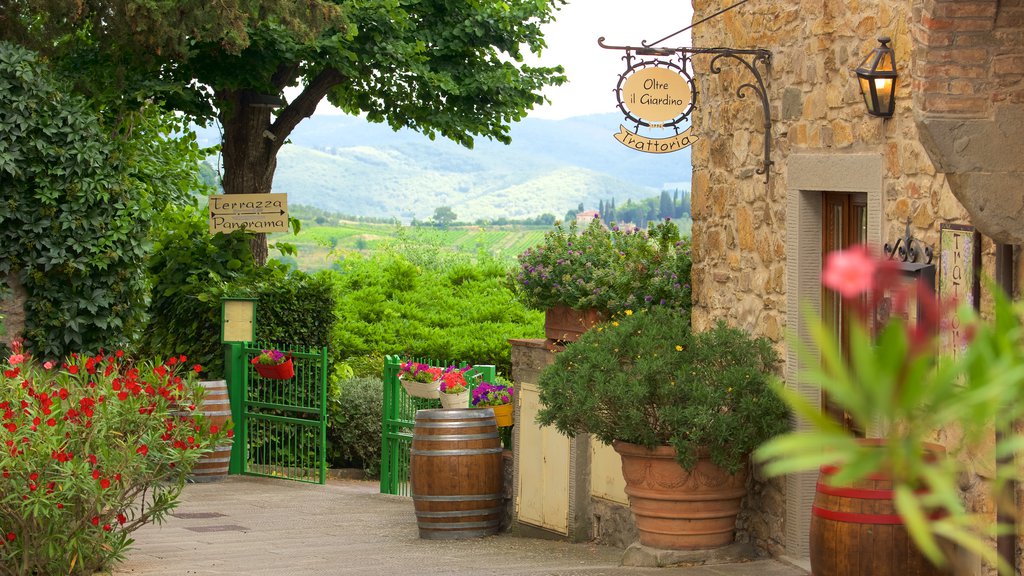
x=261 y=526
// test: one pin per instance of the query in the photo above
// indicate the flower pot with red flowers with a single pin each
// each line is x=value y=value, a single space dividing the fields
x=274 y=364
x=453 y=387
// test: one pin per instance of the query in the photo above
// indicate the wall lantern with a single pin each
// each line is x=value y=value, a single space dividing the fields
x=877 y=75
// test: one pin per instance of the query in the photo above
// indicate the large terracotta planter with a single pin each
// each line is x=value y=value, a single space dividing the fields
x=676 y=509
x=564 y=324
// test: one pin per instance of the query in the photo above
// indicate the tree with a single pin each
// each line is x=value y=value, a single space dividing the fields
x=442 y=67
x=665 y=205
x=444 y=215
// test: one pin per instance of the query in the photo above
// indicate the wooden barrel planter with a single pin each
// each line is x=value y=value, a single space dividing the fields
x=456 y=473
x=856 y=530
x=217 y=410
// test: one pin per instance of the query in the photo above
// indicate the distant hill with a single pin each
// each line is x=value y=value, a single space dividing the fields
x=348 y=165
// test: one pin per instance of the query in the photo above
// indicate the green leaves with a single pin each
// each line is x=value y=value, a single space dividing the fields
x=80 y=192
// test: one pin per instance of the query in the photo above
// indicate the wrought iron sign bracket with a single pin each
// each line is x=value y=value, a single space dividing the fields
x=756 y=61
x=908 y=249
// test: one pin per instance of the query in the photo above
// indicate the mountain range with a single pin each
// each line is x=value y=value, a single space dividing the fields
x=348 y=165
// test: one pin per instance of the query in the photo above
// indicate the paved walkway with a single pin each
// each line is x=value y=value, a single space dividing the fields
x=258 y=526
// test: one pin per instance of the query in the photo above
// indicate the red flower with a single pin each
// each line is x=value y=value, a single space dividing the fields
x=96 y=474
x=213 y=429
x=121 y=519
x=33 y=476
x=849 y=272
x=11 y=536
x=105 y=483
x=95 y=520
x=106 y=527
x=72 y=369
x=142 y=450
x=197 y=368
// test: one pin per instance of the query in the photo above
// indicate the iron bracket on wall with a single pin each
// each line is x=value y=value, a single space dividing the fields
x=756 y=61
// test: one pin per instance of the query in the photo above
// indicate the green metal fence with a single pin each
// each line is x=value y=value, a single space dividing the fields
x=280 y=425
x=399 y=418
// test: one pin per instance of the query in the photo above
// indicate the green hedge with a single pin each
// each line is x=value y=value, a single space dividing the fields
x=451 y=310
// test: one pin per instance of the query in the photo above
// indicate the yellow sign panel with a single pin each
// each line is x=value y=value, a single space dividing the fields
x=238 y=318
x=656 y=95
x=254 y=212
x=655 y=145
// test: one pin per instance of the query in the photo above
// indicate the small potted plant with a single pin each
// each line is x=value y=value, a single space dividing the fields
x=420 y=380
x=682 y=409
x=274 y=364
x=454 y=388
x=498 y=397
x=579 y=277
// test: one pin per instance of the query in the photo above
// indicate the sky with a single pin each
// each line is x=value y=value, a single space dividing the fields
x=592 y=70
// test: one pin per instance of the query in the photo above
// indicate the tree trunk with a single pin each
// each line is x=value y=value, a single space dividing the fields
x=250 y=157
x=252 y=137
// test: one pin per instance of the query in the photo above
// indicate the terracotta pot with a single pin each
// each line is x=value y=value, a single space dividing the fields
x=282 y=371
x=564 y=324
x=676 y=509
x=856 y=530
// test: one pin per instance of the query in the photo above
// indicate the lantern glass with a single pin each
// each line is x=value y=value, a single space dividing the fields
x=877 y=77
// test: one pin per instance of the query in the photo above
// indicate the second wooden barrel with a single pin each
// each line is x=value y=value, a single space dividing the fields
x=456 y=473
x=217 y=410
x=857 y=531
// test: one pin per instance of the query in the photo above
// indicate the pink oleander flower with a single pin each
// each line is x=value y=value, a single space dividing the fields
x=849 y=272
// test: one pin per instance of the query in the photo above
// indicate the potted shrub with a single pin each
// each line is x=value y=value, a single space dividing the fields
x=419 y=380
x=498 y=397
x=578 y=277
x=683 y=410
x=274 y=364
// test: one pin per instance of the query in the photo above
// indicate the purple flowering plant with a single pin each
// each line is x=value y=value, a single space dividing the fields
x=498 y=393
x=610 y=270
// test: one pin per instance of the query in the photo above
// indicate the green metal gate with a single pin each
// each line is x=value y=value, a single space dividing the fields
x=399 y=418
x=280 y=425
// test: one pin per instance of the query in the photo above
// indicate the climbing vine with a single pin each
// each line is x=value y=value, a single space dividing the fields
x=79 y=194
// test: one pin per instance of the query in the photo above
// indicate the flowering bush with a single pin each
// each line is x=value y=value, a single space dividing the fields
x=453 y=380
x=418 y=372
x=607 y=270
x=895 y=378
x=90 y=450
x=497 y=394
x=270 y=358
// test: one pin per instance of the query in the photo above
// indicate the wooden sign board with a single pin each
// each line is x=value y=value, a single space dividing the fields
x=959 y=265
x=254 y=212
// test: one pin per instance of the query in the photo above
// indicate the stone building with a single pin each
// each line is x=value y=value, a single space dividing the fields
x=952 y=153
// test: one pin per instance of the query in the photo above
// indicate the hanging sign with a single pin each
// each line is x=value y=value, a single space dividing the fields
x=254 y=212
x=656 y=94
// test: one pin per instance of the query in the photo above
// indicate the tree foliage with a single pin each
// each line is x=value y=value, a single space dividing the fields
x=441 y=67
x=78 y=197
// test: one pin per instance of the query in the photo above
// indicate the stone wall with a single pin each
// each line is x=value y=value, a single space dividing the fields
x=740 y=220
x=968 y=94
